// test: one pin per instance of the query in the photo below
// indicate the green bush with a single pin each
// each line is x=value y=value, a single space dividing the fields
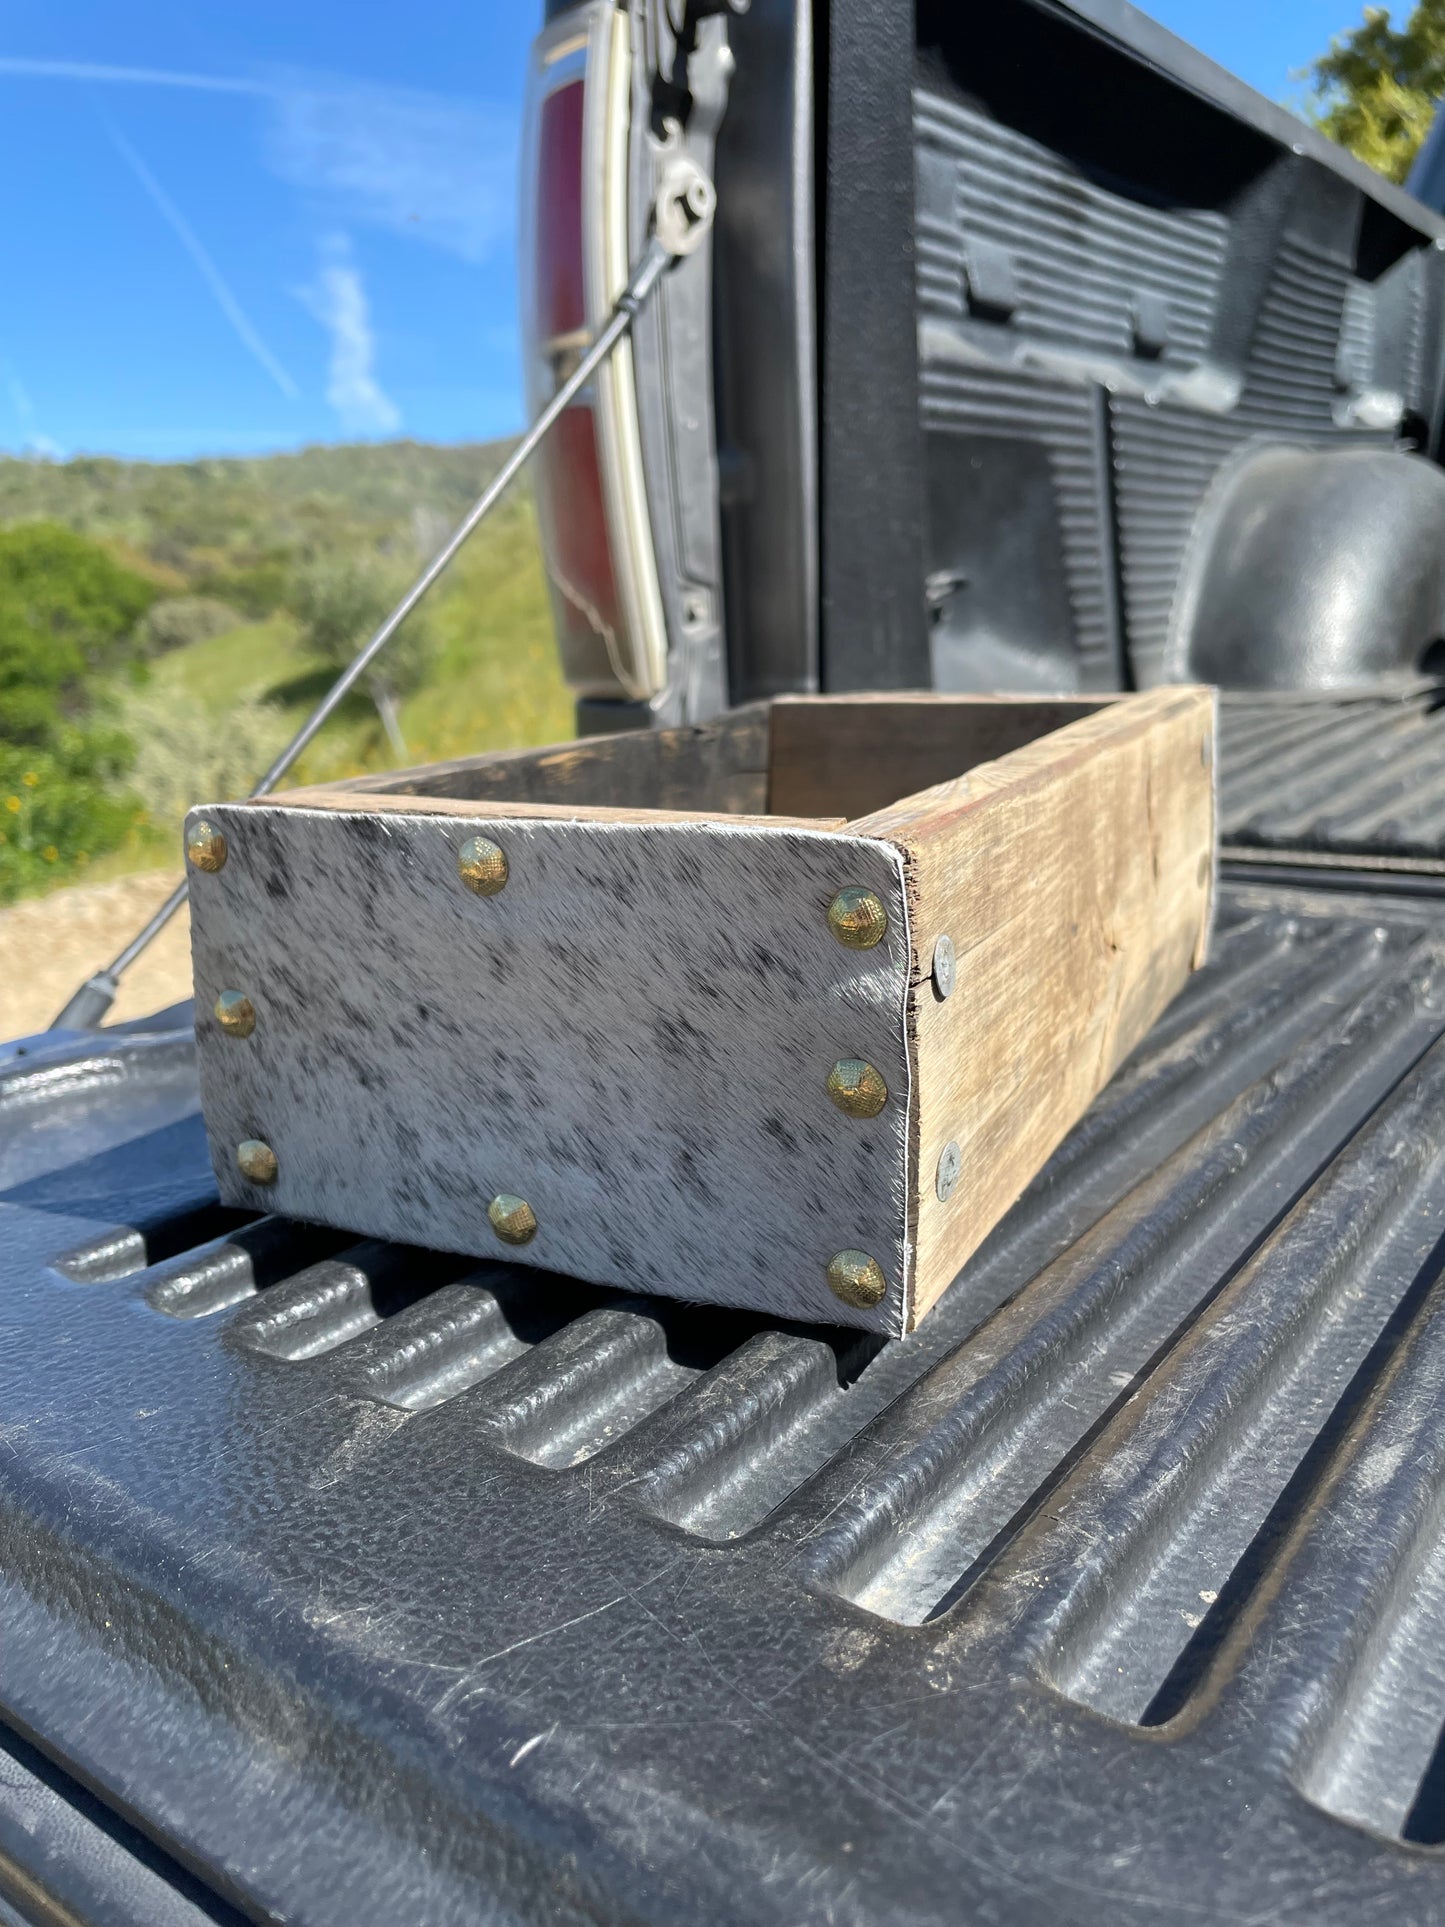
x=176 y=621
x=68 y=612
x=60 y=806
x=185 y=754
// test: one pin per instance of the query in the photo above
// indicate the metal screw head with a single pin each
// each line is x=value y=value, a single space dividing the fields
x=945 y=966
x=857 y=1279
x=205 y=846
x=857 y=918
x=483 y=866
x=256 y=1161
x=857 y=1087
x=512 y=1218
x=950 y=1164
x=235 y=1013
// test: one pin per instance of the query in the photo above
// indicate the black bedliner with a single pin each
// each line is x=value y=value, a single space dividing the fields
x=349 y=1585
x=1335 y=777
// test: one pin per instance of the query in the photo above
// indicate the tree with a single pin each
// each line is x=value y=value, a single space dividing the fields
x=68 y=612
x=340 y=602
x=1377 y=87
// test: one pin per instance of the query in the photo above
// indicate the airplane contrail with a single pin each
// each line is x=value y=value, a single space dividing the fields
x=125 y=76
x=230 y=307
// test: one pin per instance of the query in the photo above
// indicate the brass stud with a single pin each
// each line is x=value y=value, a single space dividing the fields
x=483 y=866
x=513 y=1219
x=857 y=1279
x=256 y=1161
x=857 y=1087
x=857 y=918
x=235 y=1013
x=205 y=846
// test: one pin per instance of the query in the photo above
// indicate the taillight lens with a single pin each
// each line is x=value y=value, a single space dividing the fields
x=559 y=294
x=591 y=503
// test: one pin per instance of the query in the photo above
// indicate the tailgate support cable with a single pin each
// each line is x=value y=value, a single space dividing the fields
x=682 y=214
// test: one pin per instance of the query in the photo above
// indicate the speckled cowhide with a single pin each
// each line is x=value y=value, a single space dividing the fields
x=634 y=1036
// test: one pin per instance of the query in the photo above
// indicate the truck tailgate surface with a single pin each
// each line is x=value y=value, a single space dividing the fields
x=361 y=1584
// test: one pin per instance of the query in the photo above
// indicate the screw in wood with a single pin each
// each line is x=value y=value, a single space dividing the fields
x=482 y=865
x=256 y=1161
x=857 y=1279
x=950 y=1164
x=857 y=918
x=945 y=966
x=206 y=847
x=857 y=1087
x=512 y=1218
x=235 y=1013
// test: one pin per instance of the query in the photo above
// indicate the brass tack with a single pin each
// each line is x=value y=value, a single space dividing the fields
x=256 y=1161
x=206 y=847
x=235 y=1013
x=512 y=1218
x=857 y=1279
x=483 y=866
x=857 y=918
x=857 y=1087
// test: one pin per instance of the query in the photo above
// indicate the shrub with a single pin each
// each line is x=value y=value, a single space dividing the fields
x=67 y=611
x=183 y=756
x=60 y=806
x=177 y=620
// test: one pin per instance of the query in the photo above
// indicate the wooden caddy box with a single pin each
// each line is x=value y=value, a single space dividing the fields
x=783 y=1012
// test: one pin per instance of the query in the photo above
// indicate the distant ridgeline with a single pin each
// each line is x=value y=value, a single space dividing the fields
x=162 y=626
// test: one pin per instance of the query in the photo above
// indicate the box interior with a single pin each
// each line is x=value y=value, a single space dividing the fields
x=825 y=758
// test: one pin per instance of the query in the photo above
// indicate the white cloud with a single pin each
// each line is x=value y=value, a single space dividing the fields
x=439 y=170
x=338 y=301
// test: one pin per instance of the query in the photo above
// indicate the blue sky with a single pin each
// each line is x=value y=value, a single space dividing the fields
x=235 y=228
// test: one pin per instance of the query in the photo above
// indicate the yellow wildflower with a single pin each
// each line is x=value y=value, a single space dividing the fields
x=30 y=779
x=50 y=853
x=12 y=803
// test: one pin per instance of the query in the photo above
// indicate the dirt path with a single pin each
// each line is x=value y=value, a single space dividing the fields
x=50 y=944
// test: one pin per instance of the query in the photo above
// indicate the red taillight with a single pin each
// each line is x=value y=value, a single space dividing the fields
x=572 y=512
x=591 y=504
x=559 y=293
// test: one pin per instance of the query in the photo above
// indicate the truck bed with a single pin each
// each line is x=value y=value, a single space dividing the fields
x=352 y=1585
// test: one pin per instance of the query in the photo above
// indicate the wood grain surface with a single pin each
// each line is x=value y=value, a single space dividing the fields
x=849 y=755
x=716 y=767
x=1075 y=877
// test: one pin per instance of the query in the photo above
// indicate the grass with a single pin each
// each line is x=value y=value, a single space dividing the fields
x=213 y=714
x=496 y=685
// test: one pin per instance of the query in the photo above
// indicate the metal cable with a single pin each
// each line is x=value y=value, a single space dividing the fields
x=95 y=996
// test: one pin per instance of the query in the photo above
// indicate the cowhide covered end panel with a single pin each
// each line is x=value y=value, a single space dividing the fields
x=634 y=1036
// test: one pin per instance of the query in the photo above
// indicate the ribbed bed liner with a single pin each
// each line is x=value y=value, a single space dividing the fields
x=349 y=1583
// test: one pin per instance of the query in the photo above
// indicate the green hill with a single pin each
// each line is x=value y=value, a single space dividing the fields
x=228 y=679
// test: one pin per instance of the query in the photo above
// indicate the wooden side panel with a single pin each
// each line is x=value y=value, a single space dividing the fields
x=634 y=1035
x=1076 y=879
x=719 y=767
x=849 y=755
